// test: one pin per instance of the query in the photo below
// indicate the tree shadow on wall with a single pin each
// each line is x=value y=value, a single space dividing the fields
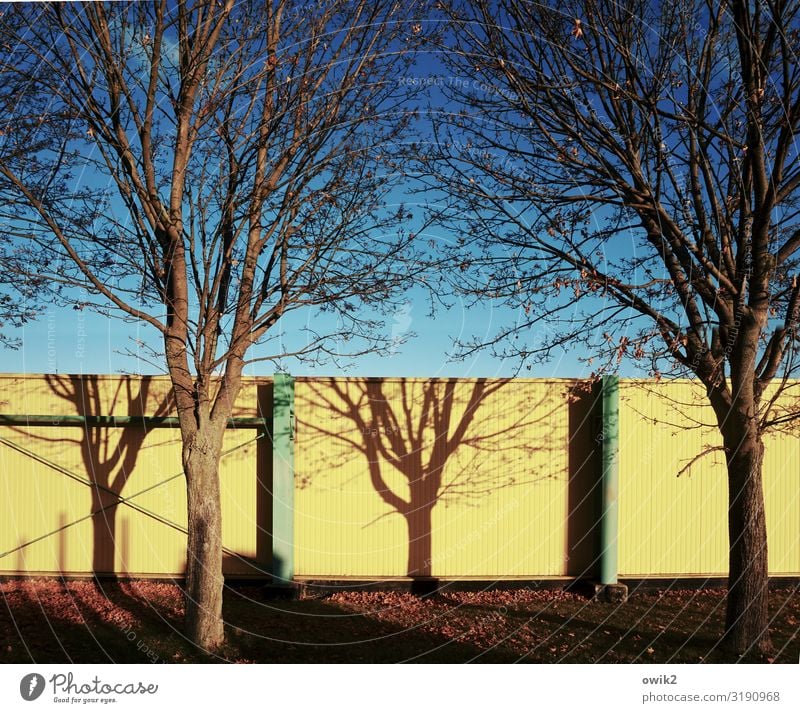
x=108 y=460
x=449 y=440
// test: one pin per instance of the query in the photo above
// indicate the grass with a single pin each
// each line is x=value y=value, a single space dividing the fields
x=47 y=621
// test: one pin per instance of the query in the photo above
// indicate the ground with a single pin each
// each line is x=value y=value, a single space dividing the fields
x=47 y=621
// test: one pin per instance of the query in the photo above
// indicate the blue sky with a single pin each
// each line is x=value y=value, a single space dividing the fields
x=68 y=341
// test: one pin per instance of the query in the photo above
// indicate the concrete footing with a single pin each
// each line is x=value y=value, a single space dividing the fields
x=611 y=593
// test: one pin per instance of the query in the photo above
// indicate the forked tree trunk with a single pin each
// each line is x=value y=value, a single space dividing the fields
x=204 y=580
x=747 y=614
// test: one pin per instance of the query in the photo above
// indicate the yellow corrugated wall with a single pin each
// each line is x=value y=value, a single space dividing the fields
x=42 y=502
x=515 y=497
x=499 y=508
x=671 y=524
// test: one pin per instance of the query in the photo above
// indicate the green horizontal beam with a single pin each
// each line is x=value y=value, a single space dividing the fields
x=117 y=421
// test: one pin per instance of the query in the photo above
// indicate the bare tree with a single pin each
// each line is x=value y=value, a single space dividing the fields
x=625 y=175
x=207 y=168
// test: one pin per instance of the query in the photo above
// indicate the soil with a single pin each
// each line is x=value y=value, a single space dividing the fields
x=50 y=621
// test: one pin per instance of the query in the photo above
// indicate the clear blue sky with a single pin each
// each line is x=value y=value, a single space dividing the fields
x=70 y=341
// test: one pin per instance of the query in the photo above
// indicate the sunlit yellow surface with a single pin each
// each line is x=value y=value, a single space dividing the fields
x=516 y=498
x=673 y=505
x=50 y=492
x=499 y=510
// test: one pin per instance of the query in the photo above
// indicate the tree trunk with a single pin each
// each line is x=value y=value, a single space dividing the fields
x=204 y=580
x=419 y=541
x=747 y=615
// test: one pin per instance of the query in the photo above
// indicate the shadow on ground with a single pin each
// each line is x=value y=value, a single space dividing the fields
x=48 y=621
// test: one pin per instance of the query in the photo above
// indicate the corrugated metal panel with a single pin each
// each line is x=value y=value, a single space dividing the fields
x=516 y=497
x=677 y=525
x=499 y=509
x=782 y=486
x=668 y=524
x=43 y=501
x=246 y=503
x=111 y=395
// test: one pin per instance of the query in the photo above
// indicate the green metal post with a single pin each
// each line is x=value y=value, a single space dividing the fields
x=609 y=403
x=282 y=479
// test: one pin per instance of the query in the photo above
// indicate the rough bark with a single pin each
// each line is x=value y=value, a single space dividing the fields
x=747 y=613
x=204 y=580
